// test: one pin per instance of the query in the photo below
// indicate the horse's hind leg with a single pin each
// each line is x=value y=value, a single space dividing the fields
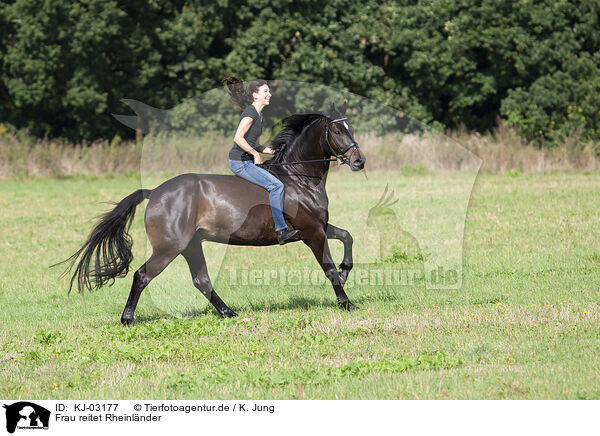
x=153 y=267
x=343 y=235
x=194 y=256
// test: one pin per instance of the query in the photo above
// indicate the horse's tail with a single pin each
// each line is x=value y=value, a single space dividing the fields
x=108 y=246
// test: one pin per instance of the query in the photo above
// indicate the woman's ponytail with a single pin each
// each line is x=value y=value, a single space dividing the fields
x=237 y=92
x=240 y=95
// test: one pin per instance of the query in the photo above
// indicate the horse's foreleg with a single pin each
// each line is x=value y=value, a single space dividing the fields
x=153 y=267
x=343 y=235
x=317 y=242
x=195 y=258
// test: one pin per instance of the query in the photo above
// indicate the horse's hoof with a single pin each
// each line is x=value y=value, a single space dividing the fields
x=348 y=306
x=229 y=314
x=127 y=322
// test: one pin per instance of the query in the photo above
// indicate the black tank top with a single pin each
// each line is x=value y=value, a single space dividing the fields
x=251 y=136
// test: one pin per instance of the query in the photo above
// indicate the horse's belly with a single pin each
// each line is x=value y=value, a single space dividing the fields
x=252 y=226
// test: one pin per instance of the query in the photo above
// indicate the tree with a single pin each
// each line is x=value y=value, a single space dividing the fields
x=72 y=63
x=66 y=65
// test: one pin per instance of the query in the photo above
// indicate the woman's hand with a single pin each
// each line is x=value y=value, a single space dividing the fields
x=268 y=150
x=258 y=159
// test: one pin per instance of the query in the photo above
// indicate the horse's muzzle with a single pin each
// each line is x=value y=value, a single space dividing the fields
x=358 y=163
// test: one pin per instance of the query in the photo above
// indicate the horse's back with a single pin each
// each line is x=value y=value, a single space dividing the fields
x=224 y=184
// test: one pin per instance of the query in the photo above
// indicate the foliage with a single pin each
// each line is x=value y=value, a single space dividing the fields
x=65 y=66
x=559 y=105
x=68 y=64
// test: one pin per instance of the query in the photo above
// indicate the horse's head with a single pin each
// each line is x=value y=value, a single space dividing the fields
x=339 y=139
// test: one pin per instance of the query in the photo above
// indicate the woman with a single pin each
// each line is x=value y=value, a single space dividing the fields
x=244 y=156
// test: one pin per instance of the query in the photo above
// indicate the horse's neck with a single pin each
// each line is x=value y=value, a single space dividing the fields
x=307 y=146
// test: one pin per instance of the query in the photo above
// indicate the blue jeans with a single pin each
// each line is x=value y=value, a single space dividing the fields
x=261 y=177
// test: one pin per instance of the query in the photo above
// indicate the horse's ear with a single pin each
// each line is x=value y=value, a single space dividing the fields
x=343 y=108
x=332 y=109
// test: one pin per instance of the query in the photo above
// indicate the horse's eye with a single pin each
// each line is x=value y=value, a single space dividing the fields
x=337 y=132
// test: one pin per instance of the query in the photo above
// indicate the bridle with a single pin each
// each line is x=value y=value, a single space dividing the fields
x=341 y=157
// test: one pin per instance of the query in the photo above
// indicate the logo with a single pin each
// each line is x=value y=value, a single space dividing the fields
x=25 y=415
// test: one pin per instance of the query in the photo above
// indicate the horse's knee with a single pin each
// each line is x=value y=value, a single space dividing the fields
x=344 y=236
x=346 y=265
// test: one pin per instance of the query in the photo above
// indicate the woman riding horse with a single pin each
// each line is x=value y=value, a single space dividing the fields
x=244 y=156
x=189 y=209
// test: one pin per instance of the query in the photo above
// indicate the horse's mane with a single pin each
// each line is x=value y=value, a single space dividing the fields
x=292 y=127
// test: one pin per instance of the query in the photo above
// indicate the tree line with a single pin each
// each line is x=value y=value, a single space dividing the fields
x=535 y=64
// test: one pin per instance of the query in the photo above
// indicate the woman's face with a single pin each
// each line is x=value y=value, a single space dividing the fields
x=262 y=95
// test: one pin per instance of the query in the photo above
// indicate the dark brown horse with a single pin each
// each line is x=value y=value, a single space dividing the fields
x=191 y=208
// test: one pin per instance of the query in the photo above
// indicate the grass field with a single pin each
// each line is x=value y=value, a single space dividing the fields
x=524 y=325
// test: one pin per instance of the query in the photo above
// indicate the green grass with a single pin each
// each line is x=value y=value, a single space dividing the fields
x=524 y=324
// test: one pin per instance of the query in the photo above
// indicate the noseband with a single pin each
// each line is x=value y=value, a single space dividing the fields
x=341 y=156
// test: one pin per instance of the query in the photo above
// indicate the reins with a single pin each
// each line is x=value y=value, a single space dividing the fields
x=341 y=156
x=298 y=161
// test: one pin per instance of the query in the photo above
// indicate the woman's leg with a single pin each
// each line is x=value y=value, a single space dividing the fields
x=261 y=177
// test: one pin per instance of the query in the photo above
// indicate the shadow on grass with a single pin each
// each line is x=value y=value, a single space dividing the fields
x=294 y=303
x=243 y=309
